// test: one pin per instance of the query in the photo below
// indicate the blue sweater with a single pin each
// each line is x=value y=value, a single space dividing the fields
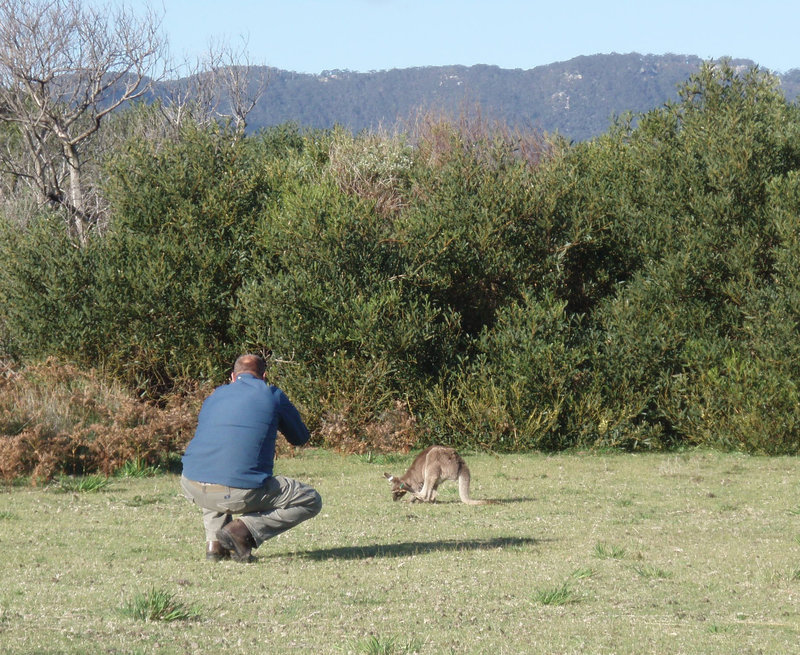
x=234 y=443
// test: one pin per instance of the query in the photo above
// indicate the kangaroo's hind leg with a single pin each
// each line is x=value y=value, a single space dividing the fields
x=433 y=478
x=428 y=492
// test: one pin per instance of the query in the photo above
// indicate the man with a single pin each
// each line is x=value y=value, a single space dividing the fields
x=227 y=466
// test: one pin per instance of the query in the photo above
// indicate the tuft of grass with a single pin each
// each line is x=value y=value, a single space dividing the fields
x=652 y=572
x=158 y=605
x=376 y=645
x=795 y=575
x=560 y=595
x=81 y=484
x=583 y=573
x=6 y=615
x=5 y=515
x=608 y=551
x=137 y=468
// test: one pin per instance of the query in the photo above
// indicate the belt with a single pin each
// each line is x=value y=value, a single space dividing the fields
x=210 y=486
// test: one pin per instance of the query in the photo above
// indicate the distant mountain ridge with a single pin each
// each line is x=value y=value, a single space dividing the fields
x=576 y=98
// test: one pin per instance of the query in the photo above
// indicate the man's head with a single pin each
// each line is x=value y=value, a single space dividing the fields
x=253 y=364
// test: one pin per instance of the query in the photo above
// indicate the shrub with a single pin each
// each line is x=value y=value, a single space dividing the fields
x=373 y=306
x=350 y=334
x=179 y=247
x=45 y=288
x=517 y=392
x=374 y=167
x=688 y=345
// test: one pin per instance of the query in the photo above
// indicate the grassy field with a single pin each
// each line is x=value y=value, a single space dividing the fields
x=689 y=553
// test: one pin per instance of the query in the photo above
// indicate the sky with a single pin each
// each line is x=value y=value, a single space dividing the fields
x=312 y=36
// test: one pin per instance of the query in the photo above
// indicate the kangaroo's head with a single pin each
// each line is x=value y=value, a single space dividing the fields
x=399 y=487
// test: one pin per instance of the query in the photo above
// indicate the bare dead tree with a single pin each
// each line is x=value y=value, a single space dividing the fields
x=64 y=67
x=222 y=85
x=240 y=84
x=190 y=94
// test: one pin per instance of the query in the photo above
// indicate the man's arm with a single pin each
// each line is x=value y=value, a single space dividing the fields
x=290 y=423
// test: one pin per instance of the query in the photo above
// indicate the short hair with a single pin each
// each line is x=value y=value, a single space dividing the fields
x=254 y=364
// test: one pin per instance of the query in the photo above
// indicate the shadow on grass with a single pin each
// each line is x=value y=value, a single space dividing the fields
x=414 y=548
x=457 y=501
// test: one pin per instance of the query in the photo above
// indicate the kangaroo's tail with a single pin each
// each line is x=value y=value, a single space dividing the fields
x=463 y=488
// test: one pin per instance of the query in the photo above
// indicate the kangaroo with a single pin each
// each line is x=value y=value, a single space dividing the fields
x=429 y=469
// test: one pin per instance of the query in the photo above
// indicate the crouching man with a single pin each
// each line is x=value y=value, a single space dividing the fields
x=227 y=466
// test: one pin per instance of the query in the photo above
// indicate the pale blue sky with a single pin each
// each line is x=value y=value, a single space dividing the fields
x=310 y=36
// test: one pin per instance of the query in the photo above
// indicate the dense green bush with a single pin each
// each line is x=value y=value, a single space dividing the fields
x=520 y=389
x=677 y=359
x=637 y=291
x=350 y=332
x=150 y=298
x=180 y=246
x=45 y=288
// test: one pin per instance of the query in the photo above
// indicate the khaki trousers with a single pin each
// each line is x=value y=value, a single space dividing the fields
x=279 y=505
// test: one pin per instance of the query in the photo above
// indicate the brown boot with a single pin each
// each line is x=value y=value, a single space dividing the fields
x=215 y=552
x=236 y=538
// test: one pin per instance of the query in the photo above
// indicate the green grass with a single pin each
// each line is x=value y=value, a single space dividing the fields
x=583 y=573
x=80 y=483
x=136 y=468
x=608 y=551
x=391 y=645
x=384 y=459
x=562 y=594
x=158 y=605
x=652 y=572
x=369 y=575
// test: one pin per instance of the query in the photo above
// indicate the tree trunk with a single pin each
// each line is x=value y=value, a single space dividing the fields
x=76 y=204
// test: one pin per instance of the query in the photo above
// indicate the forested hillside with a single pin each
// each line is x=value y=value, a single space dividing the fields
x=576 y=98
x=455 y=283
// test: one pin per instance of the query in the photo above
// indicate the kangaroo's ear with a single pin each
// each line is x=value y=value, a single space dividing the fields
x=388 y=476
